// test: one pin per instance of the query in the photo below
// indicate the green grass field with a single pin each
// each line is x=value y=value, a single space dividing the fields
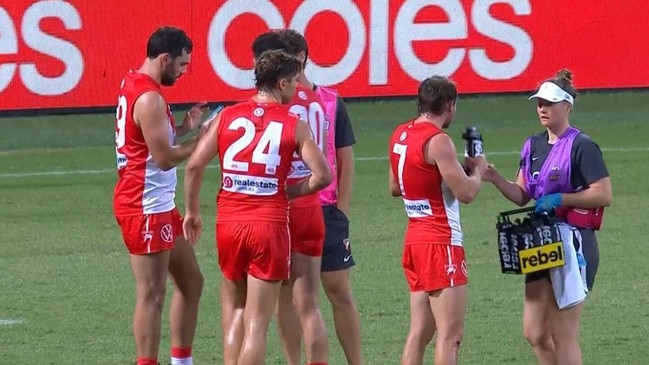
x=65 y=273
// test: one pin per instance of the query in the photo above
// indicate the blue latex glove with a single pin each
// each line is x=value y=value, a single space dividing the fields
x=548 y=203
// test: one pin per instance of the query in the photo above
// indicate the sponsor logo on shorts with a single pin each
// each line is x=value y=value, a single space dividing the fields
x=167 y=233
x=147 y=236
x=418 y=208
x=450 y=269
x=250 y=185
x=541 y=257
x=298 y=170
x=347 y=246
x=463 y=267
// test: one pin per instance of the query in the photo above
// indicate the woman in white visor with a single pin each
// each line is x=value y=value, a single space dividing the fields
x=563 y=170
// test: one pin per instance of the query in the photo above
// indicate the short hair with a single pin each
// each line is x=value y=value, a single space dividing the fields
x=169 y=40
x=434 y=94
x=294 y=42
x=273 y=66
x=563 y=79
x=265 y=42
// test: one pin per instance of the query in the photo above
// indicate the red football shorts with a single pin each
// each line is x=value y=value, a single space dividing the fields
x=260 y=249
x=430 y=267
x=307 y=229
x=151 y=233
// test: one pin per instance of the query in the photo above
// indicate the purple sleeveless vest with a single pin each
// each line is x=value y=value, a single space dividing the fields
x=554 y=176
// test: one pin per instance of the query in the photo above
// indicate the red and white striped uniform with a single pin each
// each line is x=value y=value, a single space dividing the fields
x=142 y=186
x=432 y=209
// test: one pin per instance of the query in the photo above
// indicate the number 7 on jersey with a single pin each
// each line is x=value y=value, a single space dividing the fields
x=400 y=149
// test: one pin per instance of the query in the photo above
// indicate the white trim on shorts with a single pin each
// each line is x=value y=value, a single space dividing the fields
x=450 y=263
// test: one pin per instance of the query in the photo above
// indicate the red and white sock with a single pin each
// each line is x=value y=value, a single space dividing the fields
x=181 y=356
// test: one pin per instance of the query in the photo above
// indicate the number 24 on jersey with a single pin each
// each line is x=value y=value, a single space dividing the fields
x=269 y=141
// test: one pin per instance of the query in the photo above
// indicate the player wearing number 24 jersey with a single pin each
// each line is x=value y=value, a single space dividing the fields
x=300 y=293
x=255 y=141
x=425 y=173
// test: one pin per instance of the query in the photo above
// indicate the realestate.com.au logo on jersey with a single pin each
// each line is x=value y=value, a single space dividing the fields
x=418 y=208
x=249 y=185
x=298 y=170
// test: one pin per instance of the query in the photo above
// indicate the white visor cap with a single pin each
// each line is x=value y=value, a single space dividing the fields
x=553 y=93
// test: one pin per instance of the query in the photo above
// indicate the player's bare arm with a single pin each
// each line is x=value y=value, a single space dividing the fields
x=598 y=194
x=514 y=191
x=314 y=159
x=206 y=150
x=441 y=151
x=192 y=119
x=150 y=112
x=392 y=183
x=345 y=162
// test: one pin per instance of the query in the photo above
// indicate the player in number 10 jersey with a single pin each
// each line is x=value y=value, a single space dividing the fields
x=255 y=141
x=306 y=222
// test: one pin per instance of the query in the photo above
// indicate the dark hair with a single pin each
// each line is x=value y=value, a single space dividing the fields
x=273 y=66
x=563 y=79
x=266 y=41
x=170 y=40
x=434 y=94
x=294 y=42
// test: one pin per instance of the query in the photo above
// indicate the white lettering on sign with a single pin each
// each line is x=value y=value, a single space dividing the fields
x=35 y=38
x=377 y=23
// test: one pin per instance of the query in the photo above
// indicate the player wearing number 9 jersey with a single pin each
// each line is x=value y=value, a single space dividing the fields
x=143 y=200
x=425 y=172
x=255 y=141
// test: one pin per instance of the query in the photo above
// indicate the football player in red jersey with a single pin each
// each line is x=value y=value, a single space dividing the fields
x=255 y=141
x=143 y=200
x=299 y=303
x=426 y=173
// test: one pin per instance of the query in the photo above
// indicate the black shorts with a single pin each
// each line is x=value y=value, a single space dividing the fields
x=337 y=252
x=591 y=254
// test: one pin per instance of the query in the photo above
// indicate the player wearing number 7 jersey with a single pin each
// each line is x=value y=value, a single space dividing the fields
x=425 y=172
x=255 y=141
x=143 y=200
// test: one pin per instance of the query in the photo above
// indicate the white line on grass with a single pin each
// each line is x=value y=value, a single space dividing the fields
x=369 y=158
x=11 y=321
